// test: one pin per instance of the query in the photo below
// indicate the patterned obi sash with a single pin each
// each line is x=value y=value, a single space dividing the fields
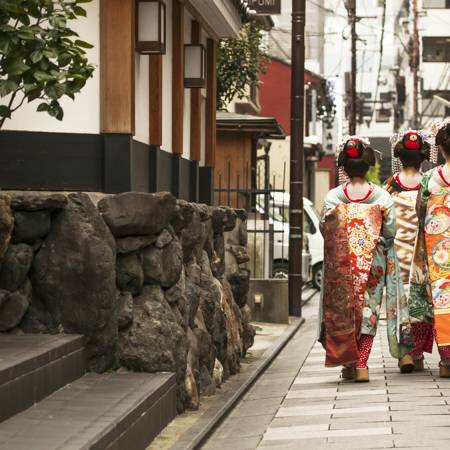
x=351 y=233
x=407 y=225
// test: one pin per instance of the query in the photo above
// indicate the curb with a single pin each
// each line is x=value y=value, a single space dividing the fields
x=267 y=358
x=310 y=293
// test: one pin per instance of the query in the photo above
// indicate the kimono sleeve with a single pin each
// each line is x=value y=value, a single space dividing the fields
x=329 y=203
x=420 y=298
x=422 y=199
x=389 y=227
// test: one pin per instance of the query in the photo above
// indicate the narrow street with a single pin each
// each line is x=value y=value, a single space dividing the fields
x=179 y=178
x=297 y=403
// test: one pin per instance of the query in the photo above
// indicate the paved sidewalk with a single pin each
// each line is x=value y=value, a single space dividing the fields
x=305 y=406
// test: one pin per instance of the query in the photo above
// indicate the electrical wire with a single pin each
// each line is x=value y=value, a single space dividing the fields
x=320 y=6
x=444 y=73
x=445 y=81
x=377 y=84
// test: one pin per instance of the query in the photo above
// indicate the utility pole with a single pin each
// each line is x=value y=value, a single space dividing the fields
x=297 y=157
x=352 y=102
x=415 y=66
x=352 y=18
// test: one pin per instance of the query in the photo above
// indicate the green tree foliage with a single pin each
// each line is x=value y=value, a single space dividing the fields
x=239 y=63
x=41 y=58
x=374 y=174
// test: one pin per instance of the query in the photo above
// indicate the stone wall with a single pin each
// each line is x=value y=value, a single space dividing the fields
x=154 y=284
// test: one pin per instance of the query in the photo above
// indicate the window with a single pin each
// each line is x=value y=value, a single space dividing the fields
x=443 y=4
x=436 y=49
x=383 y=115
x=385 y=97
x=308 y=224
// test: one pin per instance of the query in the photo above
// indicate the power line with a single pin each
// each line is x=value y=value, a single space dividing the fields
x=383 y=22
x=320 y=6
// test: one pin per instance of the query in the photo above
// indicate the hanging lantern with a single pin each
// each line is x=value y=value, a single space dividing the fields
x=150 y=27
x=194 y=66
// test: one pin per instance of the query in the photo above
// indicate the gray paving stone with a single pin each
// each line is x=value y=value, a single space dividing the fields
x=243 y=427
x=241 y=443
x=423 y=420
x=310 y=444
x=419 y=409
x=257 y=407
x=309 y=401
x=363 y=400
x=360 y=442
x=413 y=447
x=299 y=421
x=421 y=442
x=412 y=429
x=346 y=424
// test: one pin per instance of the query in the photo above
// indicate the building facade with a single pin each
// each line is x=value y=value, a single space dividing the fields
x=136 y=125
x=433 y=18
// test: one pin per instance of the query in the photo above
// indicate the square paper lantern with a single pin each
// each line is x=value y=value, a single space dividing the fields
x=150 y=27
x=194 y=66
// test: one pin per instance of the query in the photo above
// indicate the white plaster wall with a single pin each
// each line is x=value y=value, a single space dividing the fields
x=167 y=83
x=279 y=155
x=83 y=114
x=203 y=131
x=187 y=94
x=435 y=23
x=142 y=110
x=204 y=41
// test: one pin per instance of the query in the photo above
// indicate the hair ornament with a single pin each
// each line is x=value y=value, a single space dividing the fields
x=439 y=125
x=364 y=140
x=351 y=148
x=411 y=136
x=418 y=140
x=349 y=144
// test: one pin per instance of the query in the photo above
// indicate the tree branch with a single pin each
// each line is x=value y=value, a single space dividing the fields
x=11 y=101
x=20 y=103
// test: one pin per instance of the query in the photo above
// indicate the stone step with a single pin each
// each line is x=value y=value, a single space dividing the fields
x=113 y=411
x=33 y=366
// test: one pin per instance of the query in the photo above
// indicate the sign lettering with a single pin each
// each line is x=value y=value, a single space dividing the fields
x=265 y=7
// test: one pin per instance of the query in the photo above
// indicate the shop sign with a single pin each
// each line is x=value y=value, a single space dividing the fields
x=265 y=7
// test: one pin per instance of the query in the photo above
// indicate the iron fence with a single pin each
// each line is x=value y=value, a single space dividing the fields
x=267 y=206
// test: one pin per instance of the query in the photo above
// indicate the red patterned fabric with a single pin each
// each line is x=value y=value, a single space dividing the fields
x=423 y=337
x=364 y=346
x=444 y=353
x=351 y=234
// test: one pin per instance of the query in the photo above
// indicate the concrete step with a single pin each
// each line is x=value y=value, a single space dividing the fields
x=114 y=411
x=32 y=366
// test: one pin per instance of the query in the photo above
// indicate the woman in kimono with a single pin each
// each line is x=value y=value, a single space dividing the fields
x=359 y=230
x=432 y=256
x=411 y=148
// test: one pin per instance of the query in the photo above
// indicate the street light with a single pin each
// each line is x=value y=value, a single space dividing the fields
x=194 y=66
x=150 y=27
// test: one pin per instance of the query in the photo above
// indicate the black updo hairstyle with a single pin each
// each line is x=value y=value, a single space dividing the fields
x=356 y=158
x=412 y=150
x=443 y=139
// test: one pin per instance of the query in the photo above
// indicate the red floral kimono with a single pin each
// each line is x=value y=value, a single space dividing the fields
x=359 y=262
